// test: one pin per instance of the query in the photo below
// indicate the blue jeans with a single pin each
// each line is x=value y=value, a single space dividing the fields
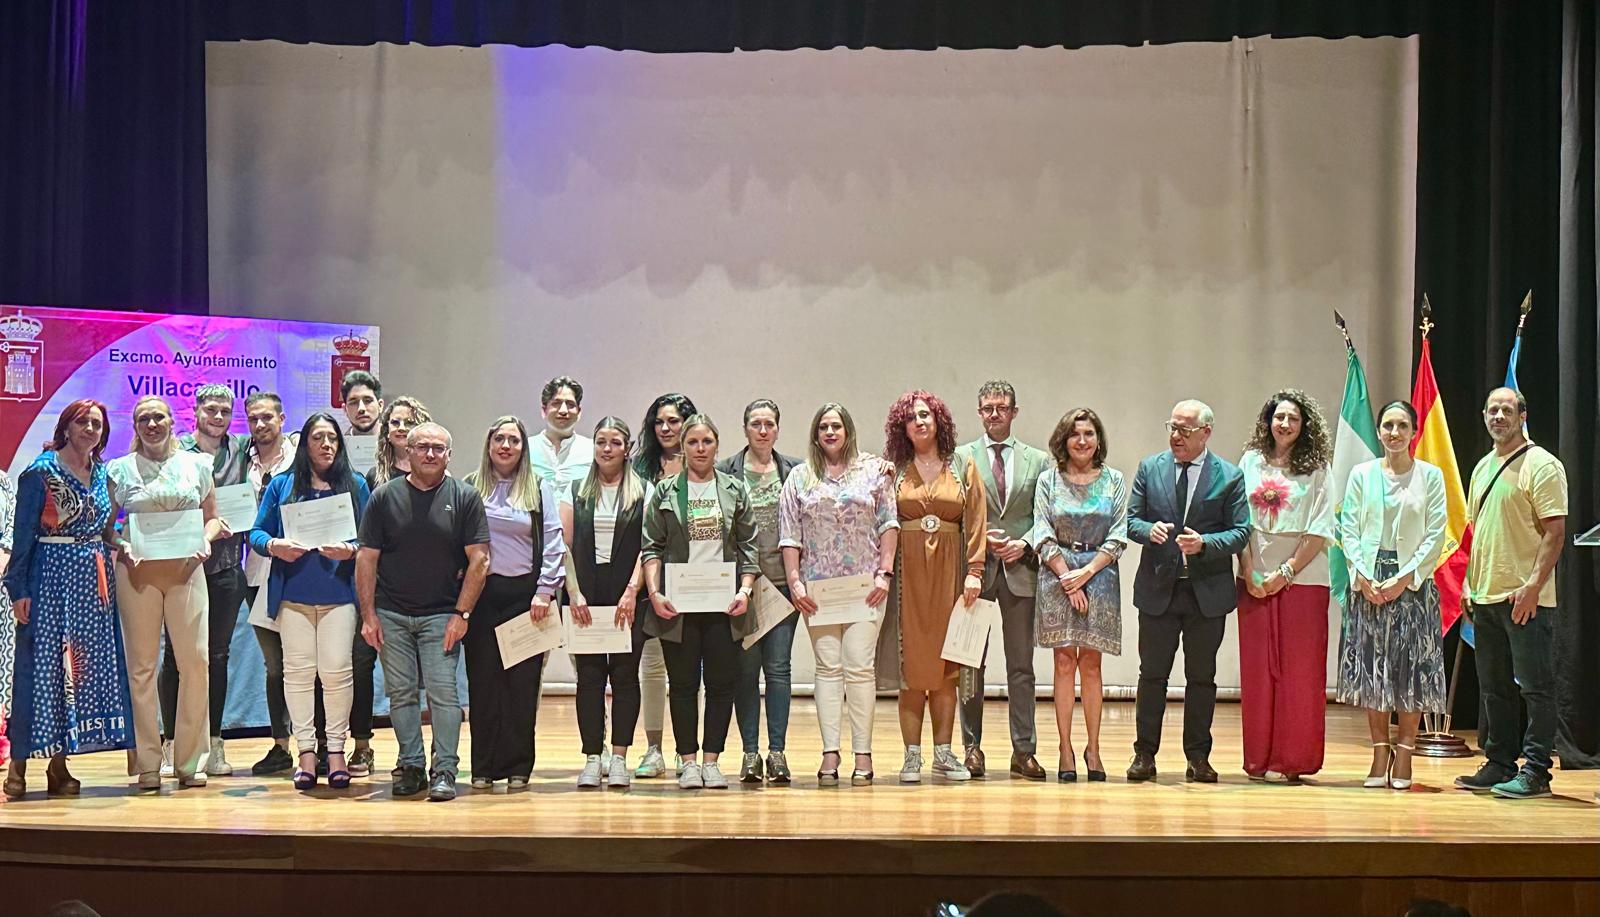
x=414 y=658
x=771 y=656
x=1508 y=655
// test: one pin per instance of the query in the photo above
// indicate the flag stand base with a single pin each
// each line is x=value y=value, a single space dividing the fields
x=1442 y=745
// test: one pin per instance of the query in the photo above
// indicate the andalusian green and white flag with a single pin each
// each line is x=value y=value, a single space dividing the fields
x=1355 y=442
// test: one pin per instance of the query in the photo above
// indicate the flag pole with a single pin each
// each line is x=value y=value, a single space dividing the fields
x=1437 y=741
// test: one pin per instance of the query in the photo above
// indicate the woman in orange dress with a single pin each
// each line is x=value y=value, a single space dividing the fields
x=943 y=518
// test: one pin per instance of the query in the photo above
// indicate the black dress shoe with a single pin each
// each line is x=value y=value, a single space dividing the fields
x=1143 y=767
x=443 y=788
x=1200 y=771
x=276 y=761
x=409 y=782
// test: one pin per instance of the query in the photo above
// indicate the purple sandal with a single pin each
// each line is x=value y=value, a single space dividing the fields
x=304 y=779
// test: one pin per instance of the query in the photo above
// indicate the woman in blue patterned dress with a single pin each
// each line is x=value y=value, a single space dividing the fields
x=8 y=624
x=63 y=511
x=1080 y=513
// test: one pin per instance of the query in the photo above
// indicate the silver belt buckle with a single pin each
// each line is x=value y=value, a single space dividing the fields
x=930 y=523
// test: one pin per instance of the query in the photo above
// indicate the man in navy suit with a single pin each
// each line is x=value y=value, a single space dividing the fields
x=1188 y=509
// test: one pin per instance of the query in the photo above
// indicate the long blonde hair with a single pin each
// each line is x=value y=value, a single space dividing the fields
x=631 y=490
x=383 y=468
x=524 y=482
x=172 y=436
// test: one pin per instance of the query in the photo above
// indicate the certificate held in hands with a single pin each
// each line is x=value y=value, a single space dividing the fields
x=521 y=638
x=166 y=536
x=236 y=506
x=702 y=588
x=311 y=523
x=841 y=600
x=770 y=608
x=601 y=636
x=967 y=634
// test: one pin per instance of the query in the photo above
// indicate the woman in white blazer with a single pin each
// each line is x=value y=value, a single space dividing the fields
x=1391 y=651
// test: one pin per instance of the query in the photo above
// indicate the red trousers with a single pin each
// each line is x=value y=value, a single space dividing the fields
x=1283 y=663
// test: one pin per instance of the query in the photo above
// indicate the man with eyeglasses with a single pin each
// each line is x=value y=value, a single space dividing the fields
x=560 y=454
x=423 y=561
x=1010 y=470
x=1188 y=508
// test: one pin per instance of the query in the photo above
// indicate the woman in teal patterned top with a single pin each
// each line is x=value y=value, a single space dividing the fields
x=1080 y=513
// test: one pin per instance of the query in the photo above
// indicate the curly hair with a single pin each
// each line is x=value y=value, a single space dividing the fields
x=383 y=469
x=897 y=446
x=1313 y=448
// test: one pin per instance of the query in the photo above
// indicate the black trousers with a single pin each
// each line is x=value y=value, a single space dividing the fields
x=225 y=591
x=707 y=644
x=622 y=670
x=363 y=663
x=1158 y=646
x=504 y=702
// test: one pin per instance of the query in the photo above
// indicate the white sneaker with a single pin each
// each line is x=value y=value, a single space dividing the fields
x=617 y=774
x=677 y=763
x=652 y=764
x=911 y=770
x=948 y=766
x=711 y=776
x=167 y=770
x=689 y=777
x=217 y=763
x=590 y=777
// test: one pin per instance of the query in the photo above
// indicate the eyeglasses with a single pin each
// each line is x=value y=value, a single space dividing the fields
x=1181 y=429
x=430 y=448
x=994 y=410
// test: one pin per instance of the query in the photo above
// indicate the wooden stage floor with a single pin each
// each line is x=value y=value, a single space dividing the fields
x=247 y=845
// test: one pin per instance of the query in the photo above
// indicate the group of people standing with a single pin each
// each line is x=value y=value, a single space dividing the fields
x=439 y=562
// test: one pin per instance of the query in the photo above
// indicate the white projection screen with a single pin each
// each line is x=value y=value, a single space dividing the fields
x=1118 y=227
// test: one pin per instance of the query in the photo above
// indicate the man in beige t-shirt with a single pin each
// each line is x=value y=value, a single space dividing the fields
x=1517 y=506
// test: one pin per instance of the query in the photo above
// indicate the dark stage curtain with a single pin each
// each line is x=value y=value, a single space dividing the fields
x=726 y=25
x=102 y=155
x=1506 y=203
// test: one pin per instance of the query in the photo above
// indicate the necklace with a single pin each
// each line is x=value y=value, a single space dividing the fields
x=929 y=470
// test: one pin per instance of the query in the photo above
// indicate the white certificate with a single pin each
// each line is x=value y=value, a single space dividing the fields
x=702 y=588
x=520 y=638
x=312 y=523
x=362 y=451
x=967 y=634
x=167 y=536
x=236 y=506
x=770 y=608
x=601 y=636
x=841 y=600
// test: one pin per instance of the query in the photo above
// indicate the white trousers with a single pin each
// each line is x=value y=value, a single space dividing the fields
x=846 y=679
x=317 y=641
x=158 y=594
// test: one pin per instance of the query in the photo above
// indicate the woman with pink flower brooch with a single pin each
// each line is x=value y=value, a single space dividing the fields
x=1283 y=589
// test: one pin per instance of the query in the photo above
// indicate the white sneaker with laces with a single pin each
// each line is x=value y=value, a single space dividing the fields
x=217 y=762
x=652 y=764
x=167 y=770
x=590 y=777
x=911 y=770
x=689 y=777
x=618 y=774
x=711 y=776
x=948 y=766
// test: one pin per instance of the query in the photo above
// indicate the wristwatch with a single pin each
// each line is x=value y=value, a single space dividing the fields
x=465 y=615
x=886 y=574
x=746 y=591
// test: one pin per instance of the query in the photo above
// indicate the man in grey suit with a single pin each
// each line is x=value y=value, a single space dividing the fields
x=1188 y=508
x=1010 y=469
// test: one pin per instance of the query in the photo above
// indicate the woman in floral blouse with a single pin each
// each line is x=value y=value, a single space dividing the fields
x=1283 y=589
x=837 y=517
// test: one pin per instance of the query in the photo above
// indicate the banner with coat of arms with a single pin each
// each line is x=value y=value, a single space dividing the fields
x=51 y=357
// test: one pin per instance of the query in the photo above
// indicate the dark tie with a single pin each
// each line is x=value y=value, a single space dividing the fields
x=1000 y=472
x=1183 y=491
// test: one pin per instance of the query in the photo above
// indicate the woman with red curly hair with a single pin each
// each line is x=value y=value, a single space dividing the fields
x=71 y=685
x=943 y=518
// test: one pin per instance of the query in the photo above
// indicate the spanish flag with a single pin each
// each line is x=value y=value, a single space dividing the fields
x=1432 y=445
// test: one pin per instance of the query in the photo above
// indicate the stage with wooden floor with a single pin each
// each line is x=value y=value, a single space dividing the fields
x=253 y=846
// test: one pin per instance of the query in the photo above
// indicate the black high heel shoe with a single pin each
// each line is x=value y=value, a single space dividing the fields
x=1069 y=776
x=1095 y=775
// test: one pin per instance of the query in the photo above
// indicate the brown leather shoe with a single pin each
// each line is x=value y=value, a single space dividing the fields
x=1143 y=768
x=1027 y=767
x=974 y=761
x=1200 y=771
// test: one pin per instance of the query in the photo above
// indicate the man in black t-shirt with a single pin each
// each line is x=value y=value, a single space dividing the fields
x=423 y=559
